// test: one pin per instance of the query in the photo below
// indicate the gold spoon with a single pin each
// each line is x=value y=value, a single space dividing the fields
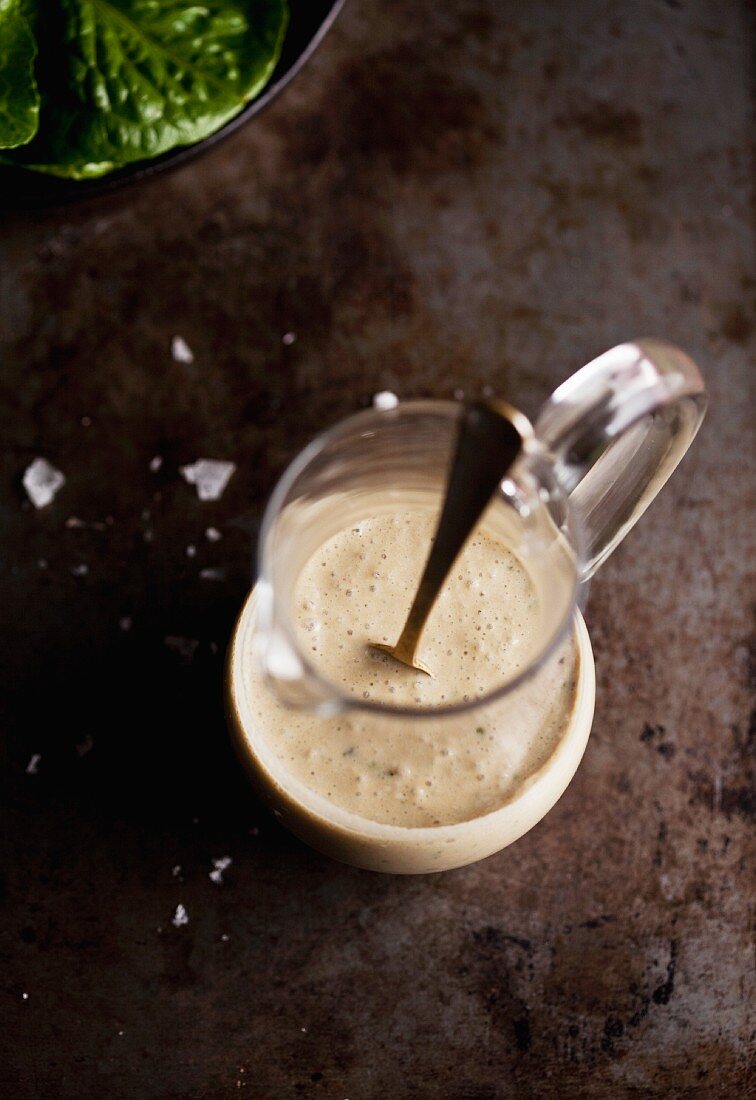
x=489 y=439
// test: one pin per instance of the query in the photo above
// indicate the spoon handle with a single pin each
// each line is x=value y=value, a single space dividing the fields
x=487 y=444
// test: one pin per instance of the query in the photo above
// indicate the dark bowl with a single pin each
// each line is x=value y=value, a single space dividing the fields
x=308 y=23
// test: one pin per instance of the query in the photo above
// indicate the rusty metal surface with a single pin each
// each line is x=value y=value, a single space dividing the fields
x=450 y=196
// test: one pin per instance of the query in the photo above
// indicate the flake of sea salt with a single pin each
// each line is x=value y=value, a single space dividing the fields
x=80 y=570
x=219 y=866
x=288 y=338
x=225 y=937
x=86 y=421
x=459 y=395
x=212 y=534
x=211 y=476
x=76 y=524
x=42 y=481
x=33 y=766
x=155 y=464
x=211 y=574
x=24 y=996
x=176 y=870
x=385 y=400
x=191 y=551
x=180 y=917
x=125 y=622
x=180 y=350
x=185 y=648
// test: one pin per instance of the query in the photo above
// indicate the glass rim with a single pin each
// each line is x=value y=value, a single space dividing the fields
x=336 y=700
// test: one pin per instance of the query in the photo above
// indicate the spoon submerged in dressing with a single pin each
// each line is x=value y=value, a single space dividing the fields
x=489 y=440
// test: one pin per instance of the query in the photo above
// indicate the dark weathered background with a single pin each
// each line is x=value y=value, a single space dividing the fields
x=451 y=195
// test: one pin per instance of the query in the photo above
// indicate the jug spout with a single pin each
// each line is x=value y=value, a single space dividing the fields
x=286 y=669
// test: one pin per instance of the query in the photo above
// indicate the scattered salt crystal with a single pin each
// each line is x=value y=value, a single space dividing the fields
x=288 y=338
x=74 y=523
x=212 y=574
x=125 y=622
x=459 y=395
x=303 y=1030
x=85 y=746
x=385 y=400
x=212 y=534
x=148 y=535
x=214 y=648
x=176 y=870
x=86 y=421
x=180 y=917
x=191 y=551
x=42 y=563
x=225 y=937
x=42 y=481
x=219 y=866
x=155 y=464
x=184 y=647
x=120 y=1033
x=488 y=391
x=24 y=996
x=180 y=350
x=211 y=476
x=80 y=570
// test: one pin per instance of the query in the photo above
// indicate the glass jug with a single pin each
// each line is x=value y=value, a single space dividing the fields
x=600 y=450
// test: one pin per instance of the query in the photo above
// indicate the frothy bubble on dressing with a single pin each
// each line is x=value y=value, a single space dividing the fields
x=357 y=588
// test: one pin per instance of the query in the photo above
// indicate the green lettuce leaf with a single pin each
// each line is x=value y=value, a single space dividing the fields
x=19 y=97
x=125 y=80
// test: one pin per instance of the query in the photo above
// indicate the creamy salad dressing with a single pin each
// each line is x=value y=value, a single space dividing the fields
x=437 y=770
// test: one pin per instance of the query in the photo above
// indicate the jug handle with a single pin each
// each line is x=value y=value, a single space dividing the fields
x=616 y=430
